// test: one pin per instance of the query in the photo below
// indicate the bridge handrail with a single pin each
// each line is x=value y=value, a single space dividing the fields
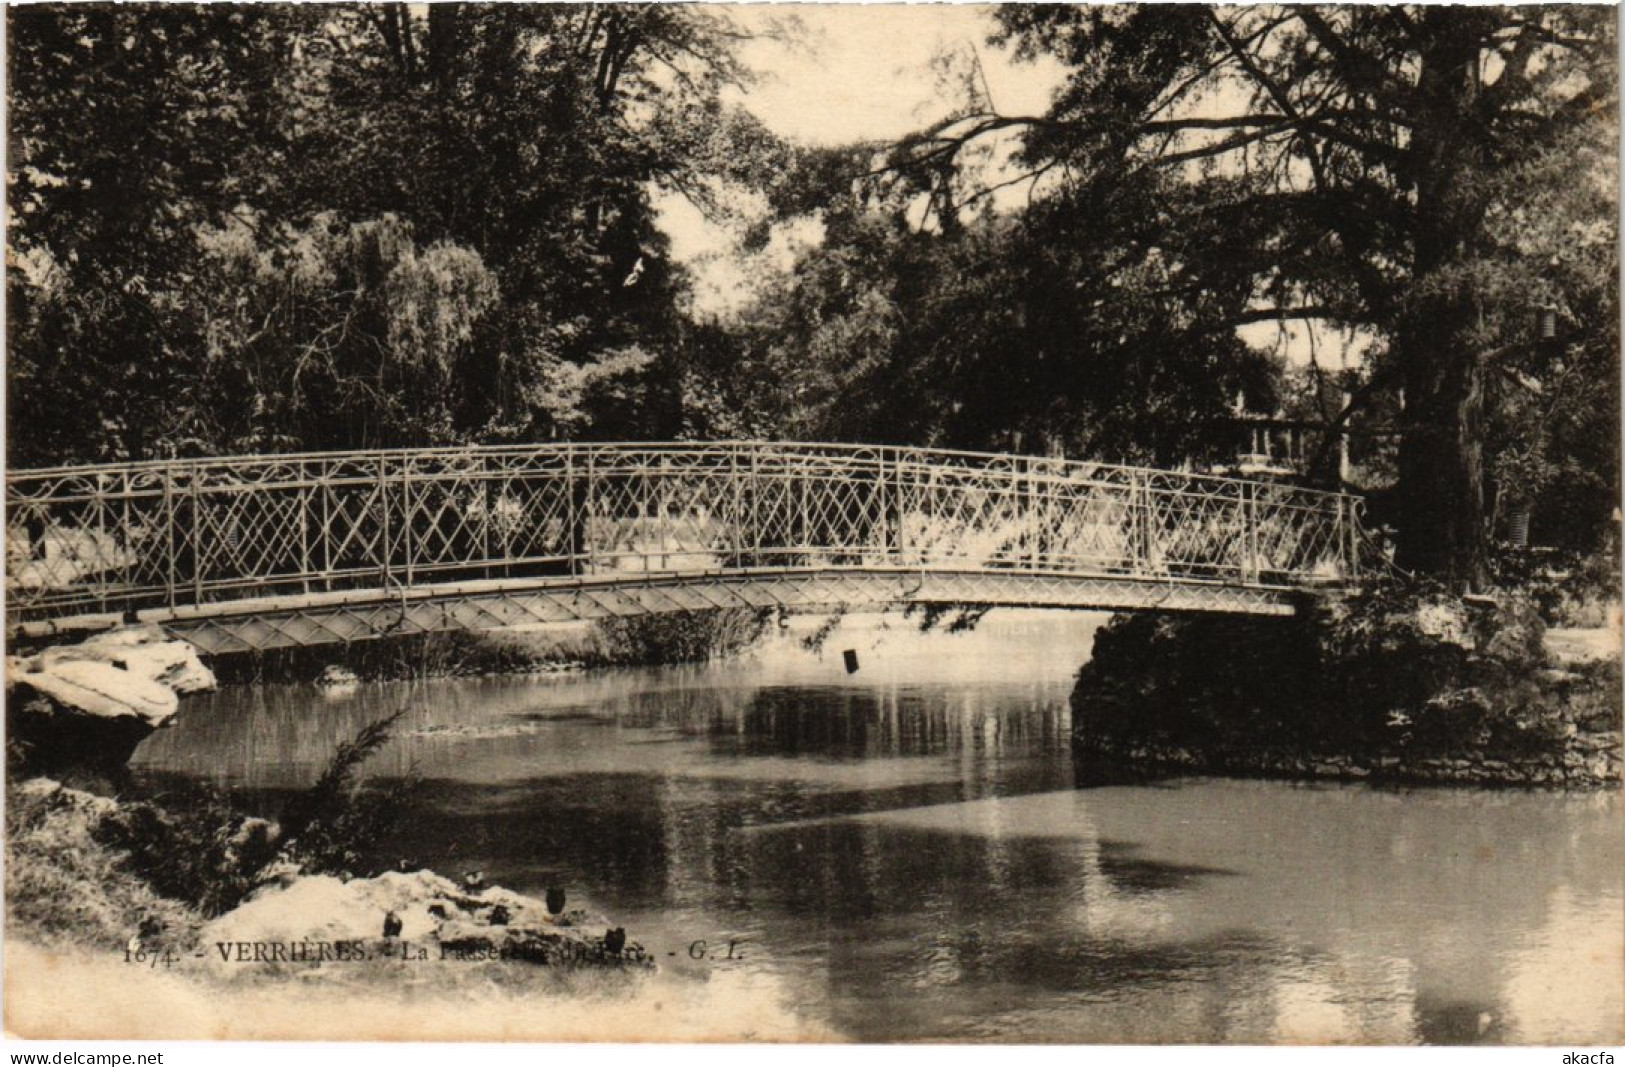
x=182 y=531
x=923 y=455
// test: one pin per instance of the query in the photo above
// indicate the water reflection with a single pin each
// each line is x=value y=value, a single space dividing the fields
x=900 y=855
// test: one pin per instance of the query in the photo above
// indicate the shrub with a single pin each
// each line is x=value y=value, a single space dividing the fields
x=679 y=636
x=326 y=829
x=1402 y=671
x=456 y=653
x=197 y=850
x=1568 y=588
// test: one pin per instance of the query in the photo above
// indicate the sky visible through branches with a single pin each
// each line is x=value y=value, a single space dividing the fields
x=844 y=73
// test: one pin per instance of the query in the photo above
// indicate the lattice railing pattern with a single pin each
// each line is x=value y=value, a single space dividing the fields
x=82 y=540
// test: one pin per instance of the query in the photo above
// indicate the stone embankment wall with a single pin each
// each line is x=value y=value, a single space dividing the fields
x=1396 y=687
x=1592 y=763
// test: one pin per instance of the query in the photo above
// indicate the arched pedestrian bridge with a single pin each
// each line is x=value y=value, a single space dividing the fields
x=258 y=552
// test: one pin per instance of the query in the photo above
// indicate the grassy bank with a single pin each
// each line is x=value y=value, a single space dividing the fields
x=69 y=883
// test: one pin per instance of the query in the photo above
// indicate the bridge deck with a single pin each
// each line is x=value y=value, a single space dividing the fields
x=260 y=552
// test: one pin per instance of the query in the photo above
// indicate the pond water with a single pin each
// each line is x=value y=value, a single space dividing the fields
x=903 y=853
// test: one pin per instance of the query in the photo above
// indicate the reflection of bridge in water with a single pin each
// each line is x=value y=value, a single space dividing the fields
x=265 y=551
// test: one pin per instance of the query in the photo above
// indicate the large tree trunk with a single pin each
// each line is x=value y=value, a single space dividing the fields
x=1441 y=468
x=1441 y=465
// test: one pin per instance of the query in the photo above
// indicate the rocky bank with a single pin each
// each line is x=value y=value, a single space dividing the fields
x=91 y=871
x=309 y=922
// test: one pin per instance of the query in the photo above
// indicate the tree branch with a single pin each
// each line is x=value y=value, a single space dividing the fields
x=1312 y=311
x=1360 y=70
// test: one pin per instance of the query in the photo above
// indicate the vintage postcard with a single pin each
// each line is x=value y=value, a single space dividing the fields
x=822 y=523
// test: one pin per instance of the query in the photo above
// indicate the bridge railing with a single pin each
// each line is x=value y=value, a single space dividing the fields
x=110 y=538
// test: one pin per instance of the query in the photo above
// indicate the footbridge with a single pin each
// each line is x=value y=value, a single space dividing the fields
x=259 y=552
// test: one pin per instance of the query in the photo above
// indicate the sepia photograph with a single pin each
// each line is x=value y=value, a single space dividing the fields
x=880 y=524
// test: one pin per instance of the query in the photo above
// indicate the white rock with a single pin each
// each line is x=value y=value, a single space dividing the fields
x=1446 y=621
x=136 y=670
x=338 y=677
x=103 y=690
x=66 y=800
x=142 y=650
x=121 y=678
x=314 y=907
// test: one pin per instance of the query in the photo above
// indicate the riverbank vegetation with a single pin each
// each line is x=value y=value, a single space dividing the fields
x=677 y=637
x=1404 y=684
x=65 y=885
x=637 y=641
x=158 y=877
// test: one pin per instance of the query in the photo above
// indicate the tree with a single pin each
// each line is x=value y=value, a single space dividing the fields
x=129 y=127
x=1069 y=325
x=1367 y=148
x=176 y=168
x=533 y=135
x=331 y=336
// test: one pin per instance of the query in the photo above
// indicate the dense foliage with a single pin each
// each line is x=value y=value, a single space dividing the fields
x=1402 y=675
x=678 y=637
x=1061 y=326
x=275 y=227
x=1427 y=175
x=281 y=227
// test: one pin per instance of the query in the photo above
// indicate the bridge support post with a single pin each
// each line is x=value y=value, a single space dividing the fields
x=899 y=503
x=383 y=506
x=406 y=515
x=126 y=522
x=884 y=507
x=1041 y=511
x=325 y=487
x=804 y=540
x=572 y=531
x=304 y=494
x=170 y=567
x=583 y=524
x=755 y=508
x=660 y=487
x=1348 y=538
x=1251 y=571
x=736 y=519
x=485 y=480
x=897 y=511
x=197 y=542
x=1139 y=531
